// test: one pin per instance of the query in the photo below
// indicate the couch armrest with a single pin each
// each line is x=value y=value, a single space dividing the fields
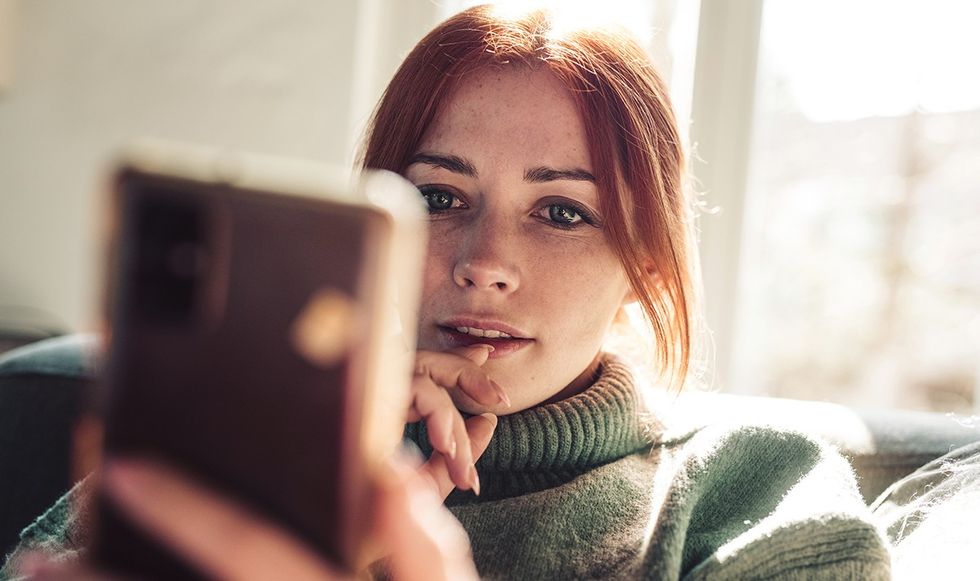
x=41 y=386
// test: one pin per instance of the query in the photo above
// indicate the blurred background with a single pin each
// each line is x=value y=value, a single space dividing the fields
x=836 y=143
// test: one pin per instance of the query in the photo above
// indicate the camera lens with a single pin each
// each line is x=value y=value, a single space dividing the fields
x=170 y=258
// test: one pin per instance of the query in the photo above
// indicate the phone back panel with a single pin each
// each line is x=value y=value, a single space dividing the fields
x=239 y=327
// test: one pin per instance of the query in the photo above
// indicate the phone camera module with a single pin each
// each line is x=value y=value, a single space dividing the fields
x=170 y=261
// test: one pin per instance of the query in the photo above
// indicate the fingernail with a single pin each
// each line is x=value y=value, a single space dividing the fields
x=452 y=447
x=474 y=481
x=492 y=418
x=490 y=348
x=501 y=394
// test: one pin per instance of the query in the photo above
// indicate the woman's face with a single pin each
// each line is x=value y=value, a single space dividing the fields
x=516 y=241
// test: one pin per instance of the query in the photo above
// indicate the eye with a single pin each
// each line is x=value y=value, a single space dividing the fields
x=561 y=214
x=439 y=199
x=566 y=215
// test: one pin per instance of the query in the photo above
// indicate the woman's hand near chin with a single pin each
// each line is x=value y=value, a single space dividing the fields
x=442 y=378
x=418 y=535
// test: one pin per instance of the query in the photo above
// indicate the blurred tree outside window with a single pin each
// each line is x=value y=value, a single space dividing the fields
x=860 y=273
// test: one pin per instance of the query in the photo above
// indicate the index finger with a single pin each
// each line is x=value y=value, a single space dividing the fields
x=460 y=368
x=477 y=353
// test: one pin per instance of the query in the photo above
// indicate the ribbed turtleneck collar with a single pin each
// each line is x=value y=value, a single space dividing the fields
x=548 y=445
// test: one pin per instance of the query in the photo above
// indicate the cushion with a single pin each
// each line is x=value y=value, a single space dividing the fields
x=41 y=386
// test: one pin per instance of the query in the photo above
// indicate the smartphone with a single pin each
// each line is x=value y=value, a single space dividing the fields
x=261 y=318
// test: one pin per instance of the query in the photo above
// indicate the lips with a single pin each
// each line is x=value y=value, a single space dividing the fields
x=460 y=332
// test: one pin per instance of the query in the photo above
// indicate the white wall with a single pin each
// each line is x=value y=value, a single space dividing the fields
x=273 y=77
x=722 y=111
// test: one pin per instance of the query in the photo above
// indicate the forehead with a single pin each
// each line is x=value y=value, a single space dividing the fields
x=514 y=113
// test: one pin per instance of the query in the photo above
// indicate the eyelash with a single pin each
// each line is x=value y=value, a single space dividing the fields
x=428 y=191
x=587 y=218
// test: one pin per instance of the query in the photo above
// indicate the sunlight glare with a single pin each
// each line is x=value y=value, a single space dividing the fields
x=633 y=15
x=846 y=60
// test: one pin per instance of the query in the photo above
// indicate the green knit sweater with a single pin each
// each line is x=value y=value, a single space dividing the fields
x=592 y=487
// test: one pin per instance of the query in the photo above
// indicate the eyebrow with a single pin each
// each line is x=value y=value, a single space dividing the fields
x=534 y=175
x=547 y=174
x=452 y=163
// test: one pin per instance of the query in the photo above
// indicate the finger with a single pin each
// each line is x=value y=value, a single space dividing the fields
x=462 y=469
x=38 y=567
x=426 y=541
x=447 y=434
x=480 y=429
x=461 y=370
x=477 y=353
x=217 y=536
x=431 y=402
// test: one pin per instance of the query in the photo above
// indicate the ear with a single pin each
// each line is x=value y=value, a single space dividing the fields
x=653 y=273
x=630 y=297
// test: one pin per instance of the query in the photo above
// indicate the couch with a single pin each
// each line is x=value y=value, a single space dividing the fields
x=43 y=385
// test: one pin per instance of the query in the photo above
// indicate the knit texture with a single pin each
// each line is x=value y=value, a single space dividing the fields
x=591 y=487
x=931 y=517
x=62 y=532
x=549 y=445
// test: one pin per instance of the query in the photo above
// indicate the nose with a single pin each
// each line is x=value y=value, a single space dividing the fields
x=482 y=274
x=485 y=260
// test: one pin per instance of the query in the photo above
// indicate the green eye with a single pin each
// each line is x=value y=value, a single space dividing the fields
x=565 y=215
x=439 y=200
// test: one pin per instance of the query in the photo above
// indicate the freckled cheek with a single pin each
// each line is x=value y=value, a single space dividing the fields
x=581 y=268
x=436 y=276
x=437 y=285
x=579 y=289
x=444 y=240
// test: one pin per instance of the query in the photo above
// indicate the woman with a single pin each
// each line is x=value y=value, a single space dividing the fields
x=553 y=172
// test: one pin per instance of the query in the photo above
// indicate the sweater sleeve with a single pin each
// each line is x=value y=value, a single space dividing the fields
x=61 y=533
x=763 y=503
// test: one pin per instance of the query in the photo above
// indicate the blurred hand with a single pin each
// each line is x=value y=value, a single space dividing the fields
x=458 y=443
x=226 y=541
x=418 y=534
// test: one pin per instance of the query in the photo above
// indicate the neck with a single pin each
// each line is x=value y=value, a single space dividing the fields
x=584 y=381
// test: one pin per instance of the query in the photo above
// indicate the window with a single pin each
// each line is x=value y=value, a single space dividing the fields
x=859 y=280
x=666 y=28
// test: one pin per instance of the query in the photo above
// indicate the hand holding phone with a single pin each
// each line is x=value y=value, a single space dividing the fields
x=421 y=538
x=255 y=311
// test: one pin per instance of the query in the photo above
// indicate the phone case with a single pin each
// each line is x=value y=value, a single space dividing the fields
x=256 y=309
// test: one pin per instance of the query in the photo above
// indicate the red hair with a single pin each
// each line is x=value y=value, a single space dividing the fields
x=636 y=152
